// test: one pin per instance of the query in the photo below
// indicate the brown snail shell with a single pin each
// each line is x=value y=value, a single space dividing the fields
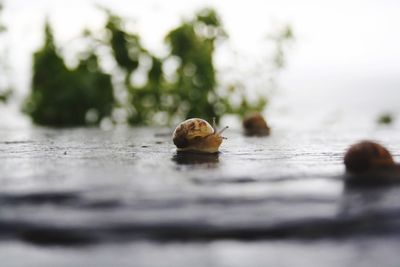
x=254 y=124
x=197 y=135
x=367 y=156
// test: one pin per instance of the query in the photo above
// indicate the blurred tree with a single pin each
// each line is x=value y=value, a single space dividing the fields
x=281 y=39
x=155 y=90
x=2 y=27
x=5 y=91
x=193 y=92
x=64 y=97
x=127 y=51
x=193 y=44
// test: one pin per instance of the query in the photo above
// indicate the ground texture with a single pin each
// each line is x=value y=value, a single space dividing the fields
x=87 y=197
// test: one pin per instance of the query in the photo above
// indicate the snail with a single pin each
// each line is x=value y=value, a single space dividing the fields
x=367 y=155
x=368 y=162
x=197 y=135
x=255 y=125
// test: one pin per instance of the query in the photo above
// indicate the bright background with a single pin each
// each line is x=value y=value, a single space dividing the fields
x=343 y=68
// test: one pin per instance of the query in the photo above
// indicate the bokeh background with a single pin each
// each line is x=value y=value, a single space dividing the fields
x=342 y=67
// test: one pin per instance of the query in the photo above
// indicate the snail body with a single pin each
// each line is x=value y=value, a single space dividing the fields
x=254 y=124
x=197 y=135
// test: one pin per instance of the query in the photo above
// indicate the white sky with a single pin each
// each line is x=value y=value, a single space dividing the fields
x=346 y=56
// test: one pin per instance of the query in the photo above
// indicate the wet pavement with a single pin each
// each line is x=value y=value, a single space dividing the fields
x=87 y=197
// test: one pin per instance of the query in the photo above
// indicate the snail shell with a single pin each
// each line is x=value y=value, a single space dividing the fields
x=255 y=125
x=366 y=156
x=197 y=135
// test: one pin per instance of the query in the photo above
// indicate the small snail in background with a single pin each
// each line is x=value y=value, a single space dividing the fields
x=367 y=155
x=197 y=135
x=255 y=125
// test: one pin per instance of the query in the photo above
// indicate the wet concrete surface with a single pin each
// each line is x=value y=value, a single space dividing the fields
x=87 y=197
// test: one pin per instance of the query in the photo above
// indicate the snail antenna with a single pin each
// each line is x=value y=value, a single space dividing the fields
x=223 y=129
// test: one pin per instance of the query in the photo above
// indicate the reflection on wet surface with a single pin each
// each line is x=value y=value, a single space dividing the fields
x=385 y=177
x=190 y=158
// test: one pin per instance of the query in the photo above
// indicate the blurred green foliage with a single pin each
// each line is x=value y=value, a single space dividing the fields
x=281 y=38
x=385 y=119
x=5 y=93
x=181 y=84
x=193 y=43
x=191 y=90
x=67 y=97
x=2 y=27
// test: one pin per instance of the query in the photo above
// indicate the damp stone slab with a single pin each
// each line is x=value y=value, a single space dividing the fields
x=125 y=197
